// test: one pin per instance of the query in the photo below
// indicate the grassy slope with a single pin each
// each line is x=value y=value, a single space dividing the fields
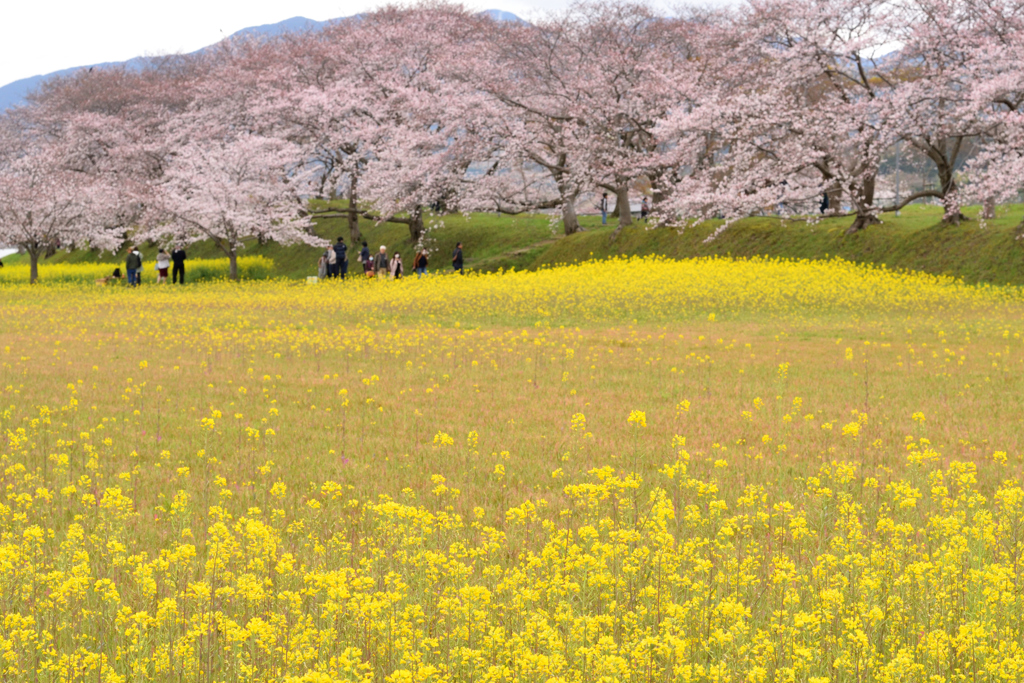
x=486 y=237
x=916 y=240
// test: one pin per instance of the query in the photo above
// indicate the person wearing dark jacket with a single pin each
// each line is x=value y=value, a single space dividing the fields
x=133 y=265
x=381 y=266
x=364 y=258
x=419 y=264
x=457 y=258
x=340 y=258
x=178 y=269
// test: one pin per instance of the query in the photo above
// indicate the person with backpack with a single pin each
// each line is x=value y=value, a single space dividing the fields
x=457 y=259
x=341 y=258
x=133 y=266
x=419 y=264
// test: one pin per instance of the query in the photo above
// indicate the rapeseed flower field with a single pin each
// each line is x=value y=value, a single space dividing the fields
x=249 y=267
x=630 y=470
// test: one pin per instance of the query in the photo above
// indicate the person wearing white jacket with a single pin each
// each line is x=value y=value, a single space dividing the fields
x=163 y=262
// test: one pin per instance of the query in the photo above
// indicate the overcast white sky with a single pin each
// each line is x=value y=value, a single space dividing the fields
x=40 y=37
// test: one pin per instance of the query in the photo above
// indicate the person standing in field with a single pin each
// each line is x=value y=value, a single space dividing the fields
x=321 y=266
x=380 y=263
x=332 y=262
x=364 y=258
x=457 y=259
x=178 y=270
x=604 y=208
x=341 y=258
x=419 y=264
x=645 y=208
x=163 y=262
x=132 y=266
x=396 y=266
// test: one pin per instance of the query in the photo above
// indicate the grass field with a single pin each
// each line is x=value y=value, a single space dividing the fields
x=639 y=470
x=975 y=251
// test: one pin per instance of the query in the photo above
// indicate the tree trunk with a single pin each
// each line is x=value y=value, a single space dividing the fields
x=988 y=208
x=660 y=191
x=863 y=205
x=625 y=215
x=233 y=261
x=622 y=204
x=33 y=265
x=353 y=213
x=570 y=222
x=862 y=221
x=948 y=188
x=416 y=224
x=835 y=198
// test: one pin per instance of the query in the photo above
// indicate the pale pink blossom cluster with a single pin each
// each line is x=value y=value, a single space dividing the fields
x=410 y=112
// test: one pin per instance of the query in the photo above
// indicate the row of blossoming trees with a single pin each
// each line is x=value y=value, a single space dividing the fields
x=771 y=103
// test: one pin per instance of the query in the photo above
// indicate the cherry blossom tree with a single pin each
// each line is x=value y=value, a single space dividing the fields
x=46 y=203
x=422 y=119
x=231 y=189
x=996 y=82
x=803 y=106
x=938 y=115
x=760 y=107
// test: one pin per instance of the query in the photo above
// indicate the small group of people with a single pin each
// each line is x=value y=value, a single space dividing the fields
x=334 y=262
x=164 y=261
x=645 y=208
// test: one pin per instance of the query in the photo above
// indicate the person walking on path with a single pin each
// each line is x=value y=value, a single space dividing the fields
x=419 y=264
x=380 y=263
x=457 y=259
x=163 y=262
x=396 y=266
x=364 y=258
x=132 y=266
x=645 y=208
x=604 y=208
x=178 y=270
x=341 y=258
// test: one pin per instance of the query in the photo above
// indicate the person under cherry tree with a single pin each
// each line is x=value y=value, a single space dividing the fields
x=163 y=263
x=133 y=267
x=178 y=258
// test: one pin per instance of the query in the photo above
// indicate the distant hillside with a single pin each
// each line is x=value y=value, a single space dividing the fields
x=15 y=93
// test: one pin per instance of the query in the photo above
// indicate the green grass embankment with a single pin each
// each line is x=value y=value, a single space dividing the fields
x=916 y=240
